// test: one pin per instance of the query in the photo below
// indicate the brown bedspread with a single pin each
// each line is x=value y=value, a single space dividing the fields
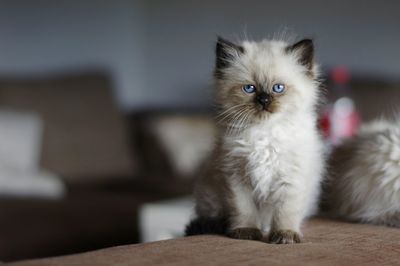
x=326 y=242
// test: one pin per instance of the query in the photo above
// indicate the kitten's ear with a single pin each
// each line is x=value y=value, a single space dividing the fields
x=305 y=51
x=226 y=51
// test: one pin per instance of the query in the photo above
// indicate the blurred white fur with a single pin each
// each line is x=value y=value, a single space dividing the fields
x=365 y=175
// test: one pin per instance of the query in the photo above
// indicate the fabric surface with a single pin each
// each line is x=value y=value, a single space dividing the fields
x=84 y=134
x=326 y=242
x=187 y=139
x=93 y=215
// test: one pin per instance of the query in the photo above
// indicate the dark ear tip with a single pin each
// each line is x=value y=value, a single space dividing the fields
x=309 y=42
x=305 y=48
x=306 y=42
x=222 y=41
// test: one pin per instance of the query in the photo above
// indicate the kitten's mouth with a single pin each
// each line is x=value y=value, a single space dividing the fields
x=265 y=108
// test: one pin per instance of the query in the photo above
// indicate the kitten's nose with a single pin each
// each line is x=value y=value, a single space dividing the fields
x=264 y=99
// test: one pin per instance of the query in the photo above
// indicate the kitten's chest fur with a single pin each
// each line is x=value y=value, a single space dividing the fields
x=265 y=156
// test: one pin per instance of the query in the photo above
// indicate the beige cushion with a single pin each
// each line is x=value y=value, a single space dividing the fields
x=187 y=140
x=327 y=242
x=84 y=133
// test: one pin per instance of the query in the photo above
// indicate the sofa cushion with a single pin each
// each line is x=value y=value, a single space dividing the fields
x=327 y=242
x=84 y=132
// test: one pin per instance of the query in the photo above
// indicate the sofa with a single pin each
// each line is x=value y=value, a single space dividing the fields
x=112 y=163
x=98 y=153
x=326 y=242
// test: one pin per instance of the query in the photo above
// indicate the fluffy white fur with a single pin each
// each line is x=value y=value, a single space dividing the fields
x=365 y=175
x=270 y=162
x=284 y=164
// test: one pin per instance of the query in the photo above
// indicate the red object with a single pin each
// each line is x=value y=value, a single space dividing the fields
x=325 y=124
x=340 y=75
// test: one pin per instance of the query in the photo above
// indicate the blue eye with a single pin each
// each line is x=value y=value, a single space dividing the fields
x=249 y=88
x=278 y=88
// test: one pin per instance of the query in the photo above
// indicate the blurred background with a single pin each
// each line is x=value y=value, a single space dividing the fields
x=105 y=106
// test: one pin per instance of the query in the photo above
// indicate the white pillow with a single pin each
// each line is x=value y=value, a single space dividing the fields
x=21 y=183
x=20 y=150
x=20 y=139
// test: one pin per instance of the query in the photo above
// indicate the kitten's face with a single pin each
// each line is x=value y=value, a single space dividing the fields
x=256 y=81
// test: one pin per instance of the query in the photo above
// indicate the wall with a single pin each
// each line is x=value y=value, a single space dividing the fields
x=160 y=53
x=363 y=35
x=46 y=36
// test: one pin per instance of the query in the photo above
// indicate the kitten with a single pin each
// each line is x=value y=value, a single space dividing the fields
x=364 y=179
x=264 y=175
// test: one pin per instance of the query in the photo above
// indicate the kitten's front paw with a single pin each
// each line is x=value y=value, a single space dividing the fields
x=284 y=237
x=247 y=233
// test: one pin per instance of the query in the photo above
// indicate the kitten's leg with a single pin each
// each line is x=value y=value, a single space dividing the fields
x=287 y=218
x=244 y=220
x=266 y=213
